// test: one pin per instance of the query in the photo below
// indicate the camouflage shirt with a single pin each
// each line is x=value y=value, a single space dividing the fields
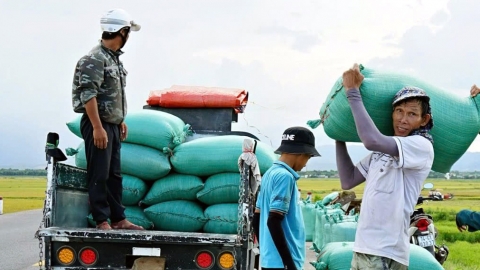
x=100 y=74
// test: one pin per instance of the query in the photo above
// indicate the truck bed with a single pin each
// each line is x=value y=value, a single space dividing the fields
x=70 y=234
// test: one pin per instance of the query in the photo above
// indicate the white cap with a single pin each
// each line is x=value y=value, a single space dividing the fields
x=116 y=19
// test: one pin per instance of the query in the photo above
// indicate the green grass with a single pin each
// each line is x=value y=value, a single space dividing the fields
x=464 y=247
x=22 y=193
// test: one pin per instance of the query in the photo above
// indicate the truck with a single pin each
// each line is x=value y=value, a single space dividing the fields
x=66 y=242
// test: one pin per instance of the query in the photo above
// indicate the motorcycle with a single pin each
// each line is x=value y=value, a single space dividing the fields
x=436 y=195
x=422 y=232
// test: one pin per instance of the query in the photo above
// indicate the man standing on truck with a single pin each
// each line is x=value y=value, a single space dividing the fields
x=394 y=173
x=278 y=220
x=99 y=93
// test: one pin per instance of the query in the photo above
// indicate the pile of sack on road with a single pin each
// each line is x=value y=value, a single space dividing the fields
x=174 y=184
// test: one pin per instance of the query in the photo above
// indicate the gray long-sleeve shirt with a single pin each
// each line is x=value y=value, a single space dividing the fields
x=371 y=138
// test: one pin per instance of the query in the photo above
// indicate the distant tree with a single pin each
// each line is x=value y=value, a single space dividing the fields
x=25 y=172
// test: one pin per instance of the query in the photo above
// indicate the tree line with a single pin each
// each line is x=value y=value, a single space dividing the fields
x=432 y=174
x=23 y=172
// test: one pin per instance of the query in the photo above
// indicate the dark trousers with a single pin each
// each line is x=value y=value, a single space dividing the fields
x=104 y=173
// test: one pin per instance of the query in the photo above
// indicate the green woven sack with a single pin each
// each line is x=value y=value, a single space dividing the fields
x=330 y=197
x=421 y=259
x=456 y=119
x=309 y=218
x=339 y=255
x=212 y=155
x=222 y=218
x=134 y=214
x=141 y=161
x=133 y=189
x=183 y=216
x=323 y=215
x=335 y=256
x=340 y=231
x=220 y=188
x=173 y=187
x=151 y=128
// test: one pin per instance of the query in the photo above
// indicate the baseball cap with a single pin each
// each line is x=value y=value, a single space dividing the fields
x=409 y=92
x=298 y=140
x=414 y=92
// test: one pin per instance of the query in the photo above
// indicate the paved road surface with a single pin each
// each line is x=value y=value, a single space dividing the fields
x=19 y=248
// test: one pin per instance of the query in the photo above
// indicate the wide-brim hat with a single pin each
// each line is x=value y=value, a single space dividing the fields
x=298 y=140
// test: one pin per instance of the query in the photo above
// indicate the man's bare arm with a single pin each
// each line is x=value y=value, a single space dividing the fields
x=99 y=134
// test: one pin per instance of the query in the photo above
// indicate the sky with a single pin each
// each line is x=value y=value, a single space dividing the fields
x=286 y=54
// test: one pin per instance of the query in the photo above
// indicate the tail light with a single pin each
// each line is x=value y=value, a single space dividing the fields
x=88 y=256
x=226 y=260
x=204 y=259
x=422 y=224
x=66 y=255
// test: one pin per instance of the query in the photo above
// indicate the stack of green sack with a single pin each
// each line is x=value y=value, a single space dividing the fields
x=338 y=256
x=456 y=119
x=201 y=193
x=332 y=224
x=144 y=154
x=308 y=213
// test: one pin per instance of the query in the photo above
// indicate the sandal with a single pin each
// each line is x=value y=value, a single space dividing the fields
x=126 y=225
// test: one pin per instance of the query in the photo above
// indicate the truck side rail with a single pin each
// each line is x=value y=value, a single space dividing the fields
x=70 y=234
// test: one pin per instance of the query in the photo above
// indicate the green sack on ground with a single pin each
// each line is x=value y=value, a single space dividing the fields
x=133 y=214
x=173 y=187
x=133 y=189
x=141 y=161
x=309 y=218
x=323 y=215
x=338 y=256
x=340 y=231
x=150 y=128
x=449 y=113
x=182 y=216
x=221 y=218
x=220 y=188
x=335 y=256
x=218 y=154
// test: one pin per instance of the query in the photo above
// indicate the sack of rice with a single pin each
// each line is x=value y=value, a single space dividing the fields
x=339 y=255
x=338 y=230
x=173 y=187
x=218 y=154
x=141 y=161
x=150 y=128
x=378 y=88
x=308 y=212
x=133 y=189
x=183 y=216
x=323 y=215
x=221 y=218
x=220 y=188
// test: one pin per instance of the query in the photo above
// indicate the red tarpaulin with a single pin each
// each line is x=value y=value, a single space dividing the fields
x=179 y=96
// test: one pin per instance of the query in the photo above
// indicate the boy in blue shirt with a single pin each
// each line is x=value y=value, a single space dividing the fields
x=278 y=221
